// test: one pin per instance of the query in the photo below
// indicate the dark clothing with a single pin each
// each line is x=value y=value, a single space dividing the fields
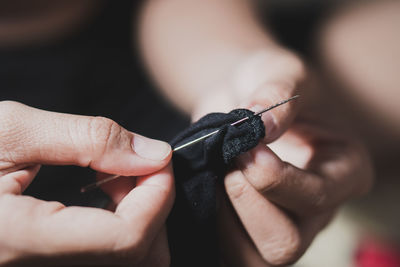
x=197 y=169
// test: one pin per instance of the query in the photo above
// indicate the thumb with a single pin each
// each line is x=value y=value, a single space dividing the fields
x=30 y=135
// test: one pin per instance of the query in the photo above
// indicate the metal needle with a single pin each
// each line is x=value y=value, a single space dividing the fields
x=113 y=177
x=235 y=123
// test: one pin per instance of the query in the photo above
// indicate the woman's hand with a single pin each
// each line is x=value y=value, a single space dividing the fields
x=284 y=194
x=279 y=197
x=33 y=231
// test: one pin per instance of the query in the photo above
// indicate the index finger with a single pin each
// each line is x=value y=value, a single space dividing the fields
x=104 y=236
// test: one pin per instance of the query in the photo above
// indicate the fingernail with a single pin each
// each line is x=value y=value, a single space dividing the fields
x=256 y=108
x=268 y=120
x=150 y=148
x=270 y=126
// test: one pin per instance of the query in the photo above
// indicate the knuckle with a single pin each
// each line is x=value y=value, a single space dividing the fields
x=267 y=184
x=236 y=188
x=103 y=132
x=283 y=250
x=265 y=178
x=9 y=116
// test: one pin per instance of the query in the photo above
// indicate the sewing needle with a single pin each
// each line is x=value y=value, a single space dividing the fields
x=113 y=177
x=235 y=123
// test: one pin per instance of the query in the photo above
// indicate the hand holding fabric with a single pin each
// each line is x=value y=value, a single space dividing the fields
x=281 y=196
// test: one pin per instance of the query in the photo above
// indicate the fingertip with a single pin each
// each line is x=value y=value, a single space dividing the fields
x=119 y=188
x=278 y=119
x=162 y=178
x=271 y=129
x=147 y=206
x=161 y=184
x=151 y=149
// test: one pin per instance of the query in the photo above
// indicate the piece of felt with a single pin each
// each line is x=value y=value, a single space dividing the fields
x=197 y=169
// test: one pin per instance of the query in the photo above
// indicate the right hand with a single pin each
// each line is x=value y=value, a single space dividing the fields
x=36 y=232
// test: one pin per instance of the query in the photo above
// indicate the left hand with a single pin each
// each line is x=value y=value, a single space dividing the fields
x=277 y=200
x=35 y=232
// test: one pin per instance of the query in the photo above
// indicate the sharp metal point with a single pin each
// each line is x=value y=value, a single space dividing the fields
x=236 y=122
x=113 y=177
x=276 y=105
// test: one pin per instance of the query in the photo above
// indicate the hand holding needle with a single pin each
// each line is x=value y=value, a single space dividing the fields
x=113 y=177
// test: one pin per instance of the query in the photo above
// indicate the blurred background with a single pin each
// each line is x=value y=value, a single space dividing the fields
x=354 y=47
x=51 y=51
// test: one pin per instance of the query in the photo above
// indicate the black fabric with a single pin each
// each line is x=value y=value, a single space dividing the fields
x=197 y=169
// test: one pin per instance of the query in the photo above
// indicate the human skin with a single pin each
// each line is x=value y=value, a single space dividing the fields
x=358 y=51
x=224 y=59
x=212 y=56
x=36 y=232
x=41 y=233
x=359 y=58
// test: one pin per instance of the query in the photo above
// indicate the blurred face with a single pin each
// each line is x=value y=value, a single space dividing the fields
x=24 y=21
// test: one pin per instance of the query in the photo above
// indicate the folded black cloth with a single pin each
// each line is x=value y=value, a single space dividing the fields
x=197 y=169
